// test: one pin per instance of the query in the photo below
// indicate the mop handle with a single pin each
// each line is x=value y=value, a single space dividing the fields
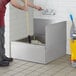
x=72 y=30
x=27 y=18
x=27 y=23
x=71 y=17
x=73 y=25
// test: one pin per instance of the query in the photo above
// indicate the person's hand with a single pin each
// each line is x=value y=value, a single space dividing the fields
x=26 y=5
x=38 y=8
x=24 y=8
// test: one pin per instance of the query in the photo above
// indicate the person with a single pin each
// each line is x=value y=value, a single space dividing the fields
x=4 y=60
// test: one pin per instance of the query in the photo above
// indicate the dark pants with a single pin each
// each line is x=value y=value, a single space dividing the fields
x=2 y=40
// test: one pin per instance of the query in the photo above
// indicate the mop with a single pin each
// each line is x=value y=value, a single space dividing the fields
x=73 y=42
x=31 y=39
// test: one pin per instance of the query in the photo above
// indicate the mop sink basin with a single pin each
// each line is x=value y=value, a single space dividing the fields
x=32 y=40
x=53 y=43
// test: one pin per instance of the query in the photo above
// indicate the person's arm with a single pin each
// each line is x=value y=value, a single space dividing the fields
x=15 y=4
x=34 y=6
x=30 y=4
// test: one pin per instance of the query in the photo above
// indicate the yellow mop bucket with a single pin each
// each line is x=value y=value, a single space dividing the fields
x=73 y=42
x=73 y=49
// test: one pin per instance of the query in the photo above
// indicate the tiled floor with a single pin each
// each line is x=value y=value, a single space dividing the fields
x=59 y=67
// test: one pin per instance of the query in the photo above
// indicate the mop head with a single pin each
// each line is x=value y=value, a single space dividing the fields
x=33 y=40
x=36 y=42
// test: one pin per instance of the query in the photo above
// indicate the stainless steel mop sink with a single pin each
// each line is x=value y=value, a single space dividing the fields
x=52 y=37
